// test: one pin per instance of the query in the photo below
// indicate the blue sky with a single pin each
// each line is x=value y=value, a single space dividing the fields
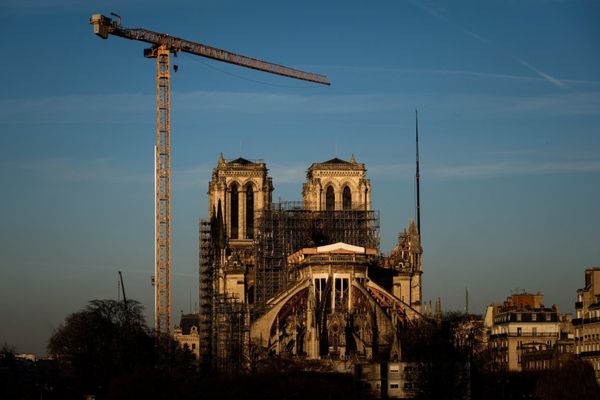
x=508 y=94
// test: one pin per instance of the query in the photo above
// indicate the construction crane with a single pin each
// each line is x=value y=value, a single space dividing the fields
x=123 y=289
x=162 y=45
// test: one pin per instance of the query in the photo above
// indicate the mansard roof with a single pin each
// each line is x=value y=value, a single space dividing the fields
x=239 y=163
x=241 y=160
x=338 y=164
x=336 y=161
x=188 y=321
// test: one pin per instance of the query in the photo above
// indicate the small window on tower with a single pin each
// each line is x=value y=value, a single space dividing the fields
x=235 y=210
x=347 y=199
x=329 y=199
x=249 y=212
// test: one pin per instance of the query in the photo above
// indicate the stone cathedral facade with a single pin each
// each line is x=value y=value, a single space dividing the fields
x=308 y=277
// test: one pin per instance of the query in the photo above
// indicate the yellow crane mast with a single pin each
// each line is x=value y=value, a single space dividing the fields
x=162 y=45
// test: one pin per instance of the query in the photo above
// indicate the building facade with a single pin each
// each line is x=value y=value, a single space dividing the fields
x=187 y=333
x=241 y=189
x=541 y=356
x=332 y=309
x=518 y=325
x=587 y=320
x=337 y=184
x=304 y=280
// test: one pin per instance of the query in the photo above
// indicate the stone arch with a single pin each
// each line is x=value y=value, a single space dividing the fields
x=262 y=327
x=329 y=198
x=234 y=212
x=346 y=198
x=249 y=207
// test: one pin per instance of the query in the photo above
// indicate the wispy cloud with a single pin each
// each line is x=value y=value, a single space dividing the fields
x=286 y=173
x=118 y=107
x=248 y=102
x=482 y=170
x=48 y=7
x=556 y=104
x=544 y=75
x=126 y=108
x=72 y=170
x=105 y=169
x=191 y=177
x=436 y=11
x=37 y=6
x=479 y=74
x=506 y=169
x=251 y=102
x=429 y=7
x=392 y=171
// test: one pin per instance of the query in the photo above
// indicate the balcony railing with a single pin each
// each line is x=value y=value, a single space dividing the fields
x=589 y=354
x=524 y=334
x=583 y=321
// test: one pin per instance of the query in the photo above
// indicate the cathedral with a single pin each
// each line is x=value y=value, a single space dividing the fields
x=304 y=280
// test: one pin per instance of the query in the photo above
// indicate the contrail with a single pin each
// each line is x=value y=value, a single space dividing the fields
x=544 y=75
x=423 y=5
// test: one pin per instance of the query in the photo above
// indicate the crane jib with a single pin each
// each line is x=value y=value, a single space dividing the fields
x=104 y=26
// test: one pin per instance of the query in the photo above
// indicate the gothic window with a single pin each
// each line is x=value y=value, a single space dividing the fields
x=320 y=285
x=347 y=199
x=341 y=293
x=235 y=211
x=329 y=199
x=249 y=212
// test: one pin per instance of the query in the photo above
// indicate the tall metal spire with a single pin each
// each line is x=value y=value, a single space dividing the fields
x=418 y=176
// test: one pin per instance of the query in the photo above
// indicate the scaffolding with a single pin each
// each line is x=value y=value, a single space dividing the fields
x=230 y=334
x=224 y=323
x=206 y=292
x=281 y=230
x=291 y=226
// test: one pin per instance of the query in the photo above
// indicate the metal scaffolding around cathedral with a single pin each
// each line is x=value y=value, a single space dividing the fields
x=290 y=226
x=302 y=279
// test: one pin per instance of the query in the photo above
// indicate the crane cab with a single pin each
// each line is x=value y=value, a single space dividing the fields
x=101 y=25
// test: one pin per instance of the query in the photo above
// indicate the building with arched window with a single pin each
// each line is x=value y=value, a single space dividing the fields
x=242 y=188
x=302 y=279
x=337 y=184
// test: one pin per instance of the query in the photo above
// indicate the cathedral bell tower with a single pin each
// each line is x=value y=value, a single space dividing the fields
x=243 y=189
x=337 y=185
x=238 y=192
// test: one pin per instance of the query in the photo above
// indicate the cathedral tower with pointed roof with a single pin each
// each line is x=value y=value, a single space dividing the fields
x=242 y=188
x=336 y=185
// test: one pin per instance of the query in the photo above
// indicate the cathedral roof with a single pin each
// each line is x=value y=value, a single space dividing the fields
x=336 y=161
x=338 y=164
x=240 y=160
x=339 y=248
